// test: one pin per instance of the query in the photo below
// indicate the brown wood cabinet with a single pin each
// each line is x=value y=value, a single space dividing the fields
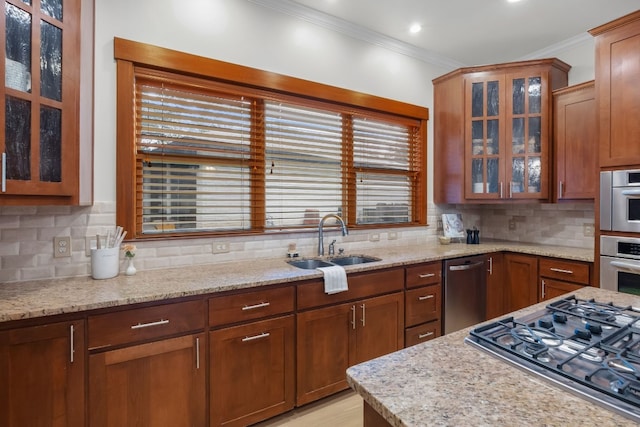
x=252 y=364
x=495 y=285
x=423 y=303
x=560 y=276
x=617 y=90
x=141 y=373
x=47 y=140
x=575 y=142
x=492 y=131
x=521 y=279
x=335 y=336
x=42 y=372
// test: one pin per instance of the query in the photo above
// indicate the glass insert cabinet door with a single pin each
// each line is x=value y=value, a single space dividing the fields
x=38 y=104
x=526 y=141
x=484 y=137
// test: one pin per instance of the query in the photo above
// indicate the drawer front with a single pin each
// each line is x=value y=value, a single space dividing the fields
x=422 y=305
x=570 y=271
x=424 y=274
x=422 y=333
x=227 y=309
x=143 y=324
x=362 y=285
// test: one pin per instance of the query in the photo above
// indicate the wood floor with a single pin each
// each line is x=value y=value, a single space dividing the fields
x=343 y=410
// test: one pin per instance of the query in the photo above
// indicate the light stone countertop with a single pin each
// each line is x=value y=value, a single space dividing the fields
x=447 y=382
x=25 y=300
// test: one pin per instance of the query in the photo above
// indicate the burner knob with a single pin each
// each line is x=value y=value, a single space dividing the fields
x=560 y=317
x=582 y=333
x=594 y=329
x=545 y=323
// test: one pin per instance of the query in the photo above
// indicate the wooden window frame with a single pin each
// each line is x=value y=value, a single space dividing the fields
x=129 y=55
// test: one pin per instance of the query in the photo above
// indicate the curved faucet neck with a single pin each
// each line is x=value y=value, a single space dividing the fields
x=345 y=231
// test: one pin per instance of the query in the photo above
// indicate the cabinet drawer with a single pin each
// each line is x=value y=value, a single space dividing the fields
x=571 y=271
x=250 y=305
x=422 y=304
x=422 y=333
x=143 y=324
x=424 y=274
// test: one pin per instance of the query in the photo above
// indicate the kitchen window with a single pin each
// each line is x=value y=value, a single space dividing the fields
x=199 y=154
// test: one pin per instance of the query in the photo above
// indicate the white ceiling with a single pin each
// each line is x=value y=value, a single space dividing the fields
x=463 y=32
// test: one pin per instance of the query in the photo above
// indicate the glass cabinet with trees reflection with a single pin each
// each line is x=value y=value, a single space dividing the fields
x=39 y=144
x=507 y=131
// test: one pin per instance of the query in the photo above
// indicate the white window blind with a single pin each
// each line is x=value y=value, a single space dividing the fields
x=194 y=159
x=303 y=164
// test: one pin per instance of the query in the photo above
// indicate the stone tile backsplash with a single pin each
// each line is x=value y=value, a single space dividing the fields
x=26 y=236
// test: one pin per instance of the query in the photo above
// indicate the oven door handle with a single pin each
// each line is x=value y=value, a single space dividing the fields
x=626 y=265
x=630 y=192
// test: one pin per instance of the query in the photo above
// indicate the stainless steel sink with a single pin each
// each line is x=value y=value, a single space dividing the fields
x=313 y=263
x=353 y=260
x=309 y=264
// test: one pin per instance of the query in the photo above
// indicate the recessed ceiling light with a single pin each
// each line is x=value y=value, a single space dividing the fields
x=415 y=28
x=513 y=1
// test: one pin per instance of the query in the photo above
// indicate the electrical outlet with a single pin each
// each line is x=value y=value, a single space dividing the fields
x=392 y=235
x=588 y=230
x=62 y=247
x=220 y=247
x=512 y=224
x=374 y=237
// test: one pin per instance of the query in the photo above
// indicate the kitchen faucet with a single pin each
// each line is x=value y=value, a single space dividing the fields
x=320 y=231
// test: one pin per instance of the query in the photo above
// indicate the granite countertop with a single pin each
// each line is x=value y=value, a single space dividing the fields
x=447 y=382
x=24 y=300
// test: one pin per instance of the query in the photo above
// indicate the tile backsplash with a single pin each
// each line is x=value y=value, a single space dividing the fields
x=27 y=234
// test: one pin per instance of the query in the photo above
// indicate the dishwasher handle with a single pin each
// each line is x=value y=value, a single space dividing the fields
x=462 y=267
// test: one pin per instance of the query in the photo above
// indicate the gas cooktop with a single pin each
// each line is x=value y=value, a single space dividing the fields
x=588 y=347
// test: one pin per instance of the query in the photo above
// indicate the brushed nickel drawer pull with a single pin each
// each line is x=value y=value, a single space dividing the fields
x=428 y=334
x=426 y=297
x=560 y=270
x=424 y=276
x=197 y=353
x=256 y=337
x=71 y=335
x=253 y=307
x=353 y=316
x=363 y=314
x=147 y=325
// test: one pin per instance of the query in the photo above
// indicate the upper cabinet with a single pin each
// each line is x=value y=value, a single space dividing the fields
x=617 y=90
x=492 y=131
x=47 y=65
x=575 y=142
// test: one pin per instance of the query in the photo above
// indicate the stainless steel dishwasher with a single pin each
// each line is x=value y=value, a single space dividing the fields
x=465 y=290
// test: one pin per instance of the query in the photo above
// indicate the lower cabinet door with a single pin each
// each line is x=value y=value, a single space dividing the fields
x=554 y=288
x=42 y=371
x=252 y=371
x=325 y=346
x=161 y=383
x=380 y=326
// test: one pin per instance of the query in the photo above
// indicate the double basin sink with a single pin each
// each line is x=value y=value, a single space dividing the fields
x=313 y=263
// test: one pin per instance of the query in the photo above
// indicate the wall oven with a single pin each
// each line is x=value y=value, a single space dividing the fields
x=620 y=264
x=620 y=200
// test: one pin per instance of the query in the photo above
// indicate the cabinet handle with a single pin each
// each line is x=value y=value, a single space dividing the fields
x=197 y=353
x=501 y=192
x=560 y=190
x=72 y=343
x=560 y=270
x=426 y=275
x=256 y=337
x=426 y=297
x=253 y=307
x=428 y=334
x=147 y=325
x=363 y=308
x=543 y=289
x=353 y=317
x=511 y=189
x=4 y=172
x=490 y=266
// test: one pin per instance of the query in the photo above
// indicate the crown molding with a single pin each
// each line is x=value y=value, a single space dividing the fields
x=554 y=49
x=347 y=28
